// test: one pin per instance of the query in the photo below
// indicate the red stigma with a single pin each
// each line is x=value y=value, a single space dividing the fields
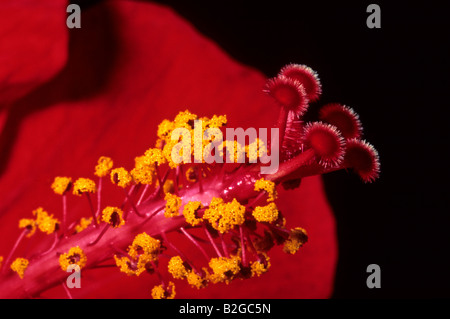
x=343 y=117
x=289 y=93
x=326 y=141
x=306 y=76
x=363 y=159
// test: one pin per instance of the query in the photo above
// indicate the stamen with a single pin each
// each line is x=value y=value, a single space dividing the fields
x=188 y=236
x=19 y=265
x=243 y=249
x=211 y=240
x=14 y=248
x=105 y=228
x=242 y=212
x=86 y=186
x=75 y=256
x=67 y=291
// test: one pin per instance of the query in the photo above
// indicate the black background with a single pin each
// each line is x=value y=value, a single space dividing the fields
x=397 y=79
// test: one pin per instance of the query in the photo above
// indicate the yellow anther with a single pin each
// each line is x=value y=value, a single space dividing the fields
x=297 y=238
x=121 y=177
x=1 y=261
x=235 y=152
x=268 y=213
x=224 y=269
x=104 y=166
x=169 y=186
x=144 y=244
x=192 y=174
x=132 y=267
x=165 y=128
x=159 y=292
x=258 y=267
x=83 y=185
x=45 y=222
x=217 y=121
x=83 y=224
x=167 y=152
x=176 y=268
x=224 y=216
x=155 y=156
x=126 y=266
x=75 y=256
x=113 y=216
x=29 y=224
x=19 y=266
x=190 y=213
x=143 y=172
x=268 y=187
x=196 y=280
x=185 y=119
x=61 y=185
x=255 y=150
x=173 y=203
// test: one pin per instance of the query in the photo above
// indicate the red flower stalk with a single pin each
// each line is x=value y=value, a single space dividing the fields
x=161 y=226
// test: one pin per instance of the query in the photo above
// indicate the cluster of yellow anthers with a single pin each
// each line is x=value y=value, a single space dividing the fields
x=45 y=223
x=225 y=217
x=233 y=150
x=219 y=218
x=142 y=255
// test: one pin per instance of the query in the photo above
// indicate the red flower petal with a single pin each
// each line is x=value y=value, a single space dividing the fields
x=33 y=45
x=130 y=66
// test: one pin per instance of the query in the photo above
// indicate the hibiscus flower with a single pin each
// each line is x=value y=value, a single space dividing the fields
x=70 y=97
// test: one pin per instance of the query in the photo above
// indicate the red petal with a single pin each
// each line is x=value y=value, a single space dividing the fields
x=131 y=65
x=33 y=45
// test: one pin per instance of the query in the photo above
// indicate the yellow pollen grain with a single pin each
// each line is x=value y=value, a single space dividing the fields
x=196 y=280
x=268 y=213
x=121 y=177
x=268 y=187
x=224 y=269
x=158 y=292
x=190 y=213
x=297 y=238
x=29 y=224
x=217 y=121
x=19 y=265
x=169 y=186
x=84 y=185
x=258 y=268
x=255 y=150
x=184 y=119
x=144 y=244
x=155 y=156
x=45 y=222
x=165 y=129
x=173 y=204
x=104 y=166
x=61 y=185
x=132 y=268
x=143 y=171
x=176 y=268
x=75 y=256
x=224 y=216
x=83 y=224
x=113 y=216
